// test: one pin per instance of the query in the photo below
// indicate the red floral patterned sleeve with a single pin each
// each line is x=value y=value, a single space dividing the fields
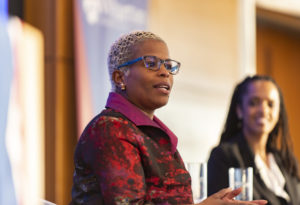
x=111 y=149
x=117 y=162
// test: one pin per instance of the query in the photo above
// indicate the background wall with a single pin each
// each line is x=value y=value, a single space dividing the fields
x=204 y=37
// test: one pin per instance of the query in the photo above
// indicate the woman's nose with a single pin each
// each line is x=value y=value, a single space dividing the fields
x=264 y=108
x=163 y=71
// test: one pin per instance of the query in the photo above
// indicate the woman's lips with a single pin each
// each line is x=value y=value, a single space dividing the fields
x=163 y=87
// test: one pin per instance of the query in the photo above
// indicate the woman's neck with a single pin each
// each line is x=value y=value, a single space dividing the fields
x=258 y=144
x=149 y=113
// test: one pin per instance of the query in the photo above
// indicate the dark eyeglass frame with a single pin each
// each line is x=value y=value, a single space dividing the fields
x=160 y=62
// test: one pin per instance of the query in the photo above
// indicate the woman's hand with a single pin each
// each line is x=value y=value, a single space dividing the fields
x=226 y=197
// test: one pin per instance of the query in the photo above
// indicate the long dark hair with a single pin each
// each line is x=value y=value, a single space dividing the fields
x=279 y=138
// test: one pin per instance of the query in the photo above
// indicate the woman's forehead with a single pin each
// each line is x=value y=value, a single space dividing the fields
x=150 y=47
x=262 y=88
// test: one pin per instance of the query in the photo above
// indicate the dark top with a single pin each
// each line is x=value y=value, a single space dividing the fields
x=237 y=153
x=120 y=162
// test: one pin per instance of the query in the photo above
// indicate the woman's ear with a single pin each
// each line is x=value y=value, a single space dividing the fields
x=239 y=112
x=118 y=78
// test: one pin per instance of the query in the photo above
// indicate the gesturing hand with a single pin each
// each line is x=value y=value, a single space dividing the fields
x=226 y=197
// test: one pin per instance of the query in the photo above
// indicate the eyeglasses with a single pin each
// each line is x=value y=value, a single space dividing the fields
x=154 y=63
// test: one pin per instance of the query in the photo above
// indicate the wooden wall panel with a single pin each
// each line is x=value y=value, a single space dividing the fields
x=66 y=136
x=40 y=14
x=55 y=19
x=278 y=55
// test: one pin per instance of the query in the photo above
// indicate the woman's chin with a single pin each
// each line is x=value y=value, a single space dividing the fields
x=161 y=103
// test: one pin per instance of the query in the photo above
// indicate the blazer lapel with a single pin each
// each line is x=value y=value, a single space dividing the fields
x=291 y=184
x=260 y=190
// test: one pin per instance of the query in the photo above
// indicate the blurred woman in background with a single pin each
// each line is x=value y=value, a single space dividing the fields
x=256 y=134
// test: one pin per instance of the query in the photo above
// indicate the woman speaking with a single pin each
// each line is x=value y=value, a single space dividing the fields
x=126 y=155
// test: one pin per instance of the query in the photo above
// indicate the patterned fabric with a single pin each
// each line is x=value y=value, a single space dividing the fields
x=117 y=162
x=117 y=102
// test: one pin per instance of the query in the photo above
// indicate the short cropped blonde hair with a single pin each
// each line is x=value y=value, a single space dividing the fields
x=121 y=50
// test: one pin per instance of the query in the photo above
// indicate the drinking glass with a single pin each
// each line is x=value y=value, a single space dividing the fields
x=198 y=172
x=242 y=177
